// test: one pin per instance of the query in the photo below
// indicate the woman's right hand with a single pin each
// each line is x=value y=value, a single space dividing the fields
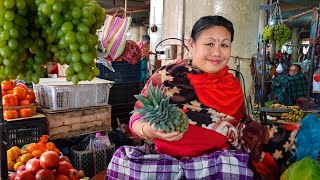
x=161 y=134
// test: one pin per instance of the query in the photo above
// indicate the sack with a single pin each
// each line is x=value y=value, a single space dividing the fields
x=113 y=36
x=91 y=162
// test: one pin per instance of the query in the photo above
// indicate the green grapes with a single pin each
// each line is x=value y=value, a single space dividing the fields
x=279 y=33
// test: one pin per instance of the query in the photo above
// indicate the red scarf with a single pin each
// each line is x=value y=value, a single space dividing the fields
x=221 y=91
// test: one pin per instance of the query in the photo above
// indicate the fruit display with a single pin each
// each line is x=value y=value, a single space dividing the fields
x=158 y=112
x=279 y=33
x=34 y=32
x=40 y=160
x=17 y=100
x=295 y=114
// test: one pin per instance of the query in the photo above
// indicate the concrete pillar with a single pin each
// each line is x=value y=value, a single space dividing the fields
x=295 y=44
x=133 y=34
x=244 y=14
x=262 y=16
x=143 y=30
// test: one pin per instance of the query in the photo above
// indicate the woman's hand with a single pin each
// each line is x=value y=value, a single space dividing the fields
x=149 y=132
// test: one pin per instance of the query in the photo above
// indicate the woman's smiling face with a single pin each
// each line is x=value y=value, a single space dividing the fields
x=212 y=49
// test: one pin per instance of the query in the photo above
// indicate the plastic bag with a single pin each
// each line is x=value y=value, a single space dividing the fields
x=306 y=169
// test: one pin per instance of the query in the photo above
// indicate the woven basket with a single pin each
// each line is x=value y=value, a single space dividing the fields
x=32 y=106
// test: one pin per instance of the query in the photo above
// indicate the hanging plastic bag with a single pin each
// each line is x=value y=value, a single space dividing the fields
x=113 y=35
x=279 y=68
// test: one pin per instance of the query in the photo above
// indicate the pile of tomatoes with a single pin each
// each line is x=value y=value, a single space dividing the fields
x=50 y=166
x=16 y=95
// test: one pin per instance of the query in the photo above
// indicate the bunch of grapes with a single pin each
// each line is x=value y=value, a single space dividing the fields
x=279 y=33
x=63 y=31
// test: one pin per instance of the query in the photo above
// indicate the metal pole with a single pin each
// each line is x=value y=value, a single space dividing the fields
x=312 y=65
x=3 y=147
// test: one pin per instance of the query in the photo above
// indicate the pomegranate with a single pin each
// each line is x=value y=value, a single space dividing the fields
x=20 y=169
x=49 y=160
x=11 y=176
x=73 y=174
x=33 y=165
x=45 y=174
x=24 y=175
x=61 y=177
x=64 y=158
x=64 y=167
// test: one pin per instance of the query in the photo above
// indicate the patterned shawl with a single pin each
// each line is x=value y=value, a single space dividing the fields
x=212 y=102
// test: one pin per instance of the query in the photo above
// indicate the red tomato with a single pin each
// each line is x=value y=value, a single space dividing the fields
x=49 y=160
x=33 y=165
x=64 y=167
x=25 y=175
x=44 y=174
x=22 y=85
x=24 y=102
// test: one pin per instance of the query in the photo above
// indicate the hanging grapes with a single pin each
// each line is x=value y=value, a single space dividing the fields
x=279 y=33
x=34 y=32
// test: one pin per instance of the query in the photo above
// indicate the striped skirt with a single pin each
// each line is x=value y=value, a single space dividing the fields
x=137 y=163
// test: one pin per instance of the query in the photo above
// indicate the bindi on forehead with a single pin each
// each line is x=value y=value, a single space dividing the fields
x=218 y=40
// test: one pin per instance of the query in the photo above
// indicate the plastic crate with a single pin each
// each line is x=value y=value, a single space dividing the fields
x=123 y=94
x=122 y=113
x=25 y=131
x=124 y=72
x=60 y=97
x=91 y=162
x=100 y=95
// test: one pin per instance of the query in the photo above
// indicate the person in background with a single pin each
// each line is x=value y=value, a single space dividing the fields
x=144 y=45
x=278 y=55
x=212 y=99
x=294 y=69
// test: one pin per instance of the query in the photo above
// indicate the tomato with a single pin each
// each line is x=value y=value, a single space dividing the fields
x=25 y=175
x=9 y=91
x=3 y=92
x=22 y=85
x=20 y=92
x=73 y=174
x=64 y=167
x=6 y=85
x=64 y=158
x=24 y=102
x=44 y=174
x=9 y=100
x=25 y=112
x=33 y=165
x=32 y=94
x=29 y=98
x=10 y=114
x=49 y=160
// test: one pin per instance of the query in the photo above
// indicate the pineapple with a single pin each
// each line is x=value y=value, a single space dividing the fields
x=159 y=113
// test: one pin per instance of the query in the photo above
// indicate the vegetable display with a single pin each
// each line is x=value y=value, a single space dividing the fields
x=34 y=32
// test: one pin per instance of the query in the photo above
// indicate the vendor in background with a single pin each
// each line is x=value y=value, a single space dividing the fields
x=294 y=69
x=144 y=45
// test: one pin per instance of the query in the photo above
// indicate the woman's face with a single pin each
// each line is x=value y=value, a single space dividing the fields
x=212 y=49
x=293 y=70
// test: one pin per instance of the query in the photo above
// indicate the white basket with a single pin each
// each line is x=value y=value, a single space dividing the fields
x=100 y=94
x=58 y=94
x=60 y=97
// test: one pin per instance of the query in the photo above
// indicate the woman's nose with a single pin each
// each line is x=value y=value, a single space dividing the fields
x=216 y=51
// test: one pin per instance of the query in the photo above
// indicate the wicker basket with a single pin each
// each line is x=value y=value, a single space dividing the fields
x=32 y=106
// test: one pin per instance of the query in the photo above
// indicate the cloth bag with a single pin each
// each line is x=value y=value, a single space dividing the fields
x=113 y=35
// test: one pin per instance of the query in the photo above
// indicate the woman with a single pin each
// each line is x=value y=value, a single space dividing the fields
x=213 y=100
x=295 y=69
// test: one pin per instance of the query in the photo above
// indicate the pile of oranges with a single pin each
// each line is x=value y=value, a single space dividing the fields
x=16 y=94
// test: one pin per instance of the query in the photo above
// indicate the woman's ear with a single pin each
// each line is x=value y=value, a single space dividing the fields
x=190 y=44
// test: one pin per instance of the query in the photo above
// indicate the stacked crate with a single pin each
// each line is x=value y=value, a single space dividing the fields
x=127 y=78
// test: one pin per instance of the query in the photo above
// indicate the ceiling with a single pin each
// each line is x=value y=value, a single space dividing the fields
x=140 y=11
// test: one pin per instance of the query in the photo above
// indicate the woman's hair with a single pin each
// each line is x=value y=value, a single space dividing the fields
x=206 y=22
x=298 y=66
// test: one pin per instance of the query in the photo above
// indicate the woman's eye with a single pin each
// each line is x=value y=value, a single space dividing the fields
x=209 y=44
x=224 y=45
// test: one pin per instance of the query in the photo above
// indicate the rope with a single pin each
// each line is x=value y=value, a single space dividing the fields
x=238 y=58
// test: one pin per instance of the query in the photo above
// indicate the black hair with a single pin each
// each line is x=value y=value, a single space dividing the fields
x=146 y=37
x=206 y=22
x=298 y=66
